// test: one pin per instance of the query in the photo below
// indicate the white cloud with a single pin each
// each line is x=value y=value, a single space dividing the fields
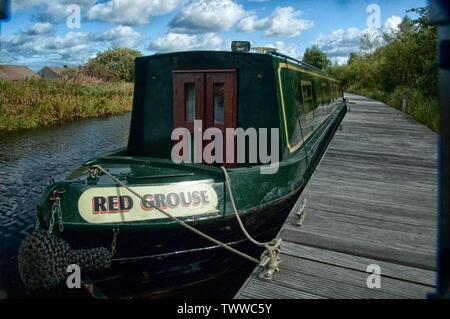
x=340 y=43
x=29 y=4
x=340 y=60
x=40 y=28
x=183 y=42
x=283 y=22
x=251 y=23
x=38 y=45
x=122 y=36
x=54 y=11
x=288 y=49
x=131 y=12
x=202 y=16
x=391 y=24
x=25 y=4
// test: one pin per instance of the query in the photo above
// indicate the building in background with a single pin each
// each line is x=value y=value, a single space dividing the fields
x=16 y=72
x=51 y=73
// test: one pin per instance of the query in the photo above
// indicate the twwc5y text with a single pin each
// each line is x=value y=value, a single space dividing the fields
x=225 y=308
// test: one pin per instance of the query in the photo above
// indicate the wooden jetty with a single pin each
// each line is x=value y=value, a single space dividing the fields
x=371 y=200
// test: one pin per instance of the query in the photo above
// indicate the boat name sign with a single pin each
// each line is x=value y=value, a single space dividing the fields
x=116 y=204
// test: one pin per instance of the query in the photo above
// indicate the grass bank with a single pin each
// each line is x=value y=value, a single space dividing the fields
x=423 y=109
x=39 y=103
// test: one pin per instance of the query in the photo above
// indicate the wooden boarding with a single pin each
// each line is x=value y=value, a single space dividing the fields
x=371 y=200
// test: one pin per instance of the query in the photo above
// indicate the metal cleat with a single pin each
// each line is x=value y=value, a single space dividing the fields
x=300 y=214
x=270 y=261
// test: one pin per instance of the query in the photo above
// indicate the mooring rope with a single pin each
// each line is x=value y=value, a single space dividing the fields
x=269 y=258
x=271 y=243
x=182 y=223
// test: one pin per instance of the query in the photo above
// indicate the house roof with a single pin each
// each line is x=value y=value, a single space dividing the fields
x=16 y=72
x=55 y=70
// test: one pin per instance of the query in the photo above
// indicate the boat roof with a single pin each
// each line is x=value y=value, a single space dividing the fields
x=273 y=53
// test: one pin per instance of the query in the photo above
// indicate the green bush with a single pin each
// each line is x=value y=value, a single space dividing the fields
x=115 y=62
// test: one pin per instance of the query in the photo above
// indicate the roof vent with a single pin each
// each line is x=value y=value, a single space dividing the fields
x=240 y=46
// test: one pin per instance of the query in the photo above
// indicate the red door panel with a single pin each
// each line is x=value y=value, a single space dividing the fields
x=209 y=94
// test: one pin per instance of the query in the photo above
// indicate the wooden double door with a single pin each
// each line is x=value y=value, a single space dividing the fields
x=209 y=96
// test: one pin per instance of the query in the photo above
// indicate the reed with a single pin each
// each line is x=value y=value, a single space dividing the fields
x=37 y=103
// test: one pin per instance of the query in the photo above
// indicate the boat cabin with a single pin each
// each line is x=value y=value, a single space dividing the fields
x=227 y=90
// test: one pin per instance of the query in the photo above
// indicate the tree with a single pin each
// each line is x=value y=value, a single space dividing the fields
x=316 y=58
x=117 y=61
x=369 y=41
x=352 y=57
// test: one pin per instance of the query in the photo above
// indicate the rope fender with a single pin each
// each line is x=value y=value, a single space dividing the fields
x=43 y=260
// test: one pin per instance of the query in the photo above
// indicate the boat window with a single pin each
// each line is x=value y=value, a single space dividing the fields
x=189 y=89
x=307 y=92
x=219 y=100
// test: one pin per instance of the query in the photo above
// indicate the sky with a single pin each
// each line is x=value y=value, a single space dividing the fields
x=70 y=32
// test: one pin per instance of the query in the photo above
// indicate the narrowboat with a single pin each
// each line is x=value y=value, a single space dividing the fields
x=299 y=106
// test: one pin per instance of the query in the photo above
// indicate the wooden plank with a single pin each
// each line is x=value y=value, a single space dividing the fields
x=381 y=251
x=401 y=181
x=381 y=158
x=356 y=278
x=369 y=234
x=410 y=274
x=363 y=209
x=375 y=203
x=428 y=193
x=258 y=289
x=408 y=232
x=324 y=287
x=419 y=200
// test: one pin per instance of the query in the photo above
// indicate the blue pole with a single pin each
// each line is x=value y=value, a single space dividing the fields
x=4 y=16
x=439 y=14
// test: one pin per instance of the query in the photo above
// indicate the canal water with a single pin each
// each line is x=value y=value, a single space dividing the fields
x=30 y=158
